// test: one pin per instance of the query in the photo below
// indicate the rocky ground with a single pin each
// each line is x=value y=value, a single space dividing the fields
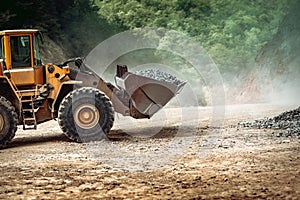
x=179 y=154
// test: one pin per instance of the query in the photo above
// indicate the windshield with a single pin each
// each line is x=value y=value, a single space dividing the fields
x=20 y=51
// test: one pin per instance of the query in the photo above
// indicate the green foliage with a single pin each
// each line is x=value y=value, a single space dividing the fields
x=231 y=31
x=240 y=29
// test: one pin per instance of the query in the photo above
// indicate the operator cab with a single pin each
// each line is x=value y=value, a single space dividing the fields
x=20 y=57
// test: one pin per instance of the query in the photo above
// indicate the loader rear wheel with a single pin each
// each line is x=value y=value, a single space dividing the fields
x=85 y=115
x=8 y=122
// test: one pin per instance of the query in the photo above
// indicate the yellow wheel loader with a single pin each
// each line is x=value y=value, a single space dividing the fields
x=84 y=104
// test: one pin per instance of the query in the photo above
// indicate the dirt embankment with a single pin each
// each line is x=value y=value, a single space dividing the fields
x=276 y=74
x=51 y=52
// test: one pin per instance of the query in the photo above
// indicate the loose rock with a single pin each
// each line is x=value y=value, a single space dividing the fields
x=159 y=75
x=288 y=121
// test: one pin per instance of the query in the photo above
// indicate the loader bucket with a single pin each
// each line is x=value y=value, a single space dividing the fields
x=147 y=95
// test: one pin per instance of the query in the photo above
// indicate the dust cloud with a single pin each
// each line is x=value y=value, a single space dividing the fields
x=286 y=93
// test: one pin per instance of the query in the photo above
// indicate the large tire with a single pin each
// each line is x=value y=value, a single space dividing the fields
x=8 y=122
x=86 y=114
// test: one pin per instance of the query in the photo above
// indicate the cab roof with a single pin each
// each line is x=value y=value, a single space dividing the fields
x=18 y=31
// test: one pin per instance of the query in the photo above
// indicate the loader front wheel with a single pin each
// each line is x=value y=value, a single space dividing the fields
x=8 y=122
x=85 y=115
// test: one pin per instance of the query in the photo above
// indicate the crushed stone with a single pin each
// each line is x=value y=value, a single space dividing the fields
x=288 y=122
x=159 y=75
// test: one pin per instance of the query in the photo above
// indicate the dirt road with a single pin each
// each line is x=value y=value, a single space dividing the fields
x=180 y=154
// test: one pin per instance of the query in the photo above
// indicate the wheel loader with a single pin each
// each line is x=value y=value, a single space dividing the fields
x=32 y=92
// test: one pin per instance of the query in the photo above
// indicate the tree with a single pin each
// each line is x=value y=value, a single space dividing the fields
x=232 y=31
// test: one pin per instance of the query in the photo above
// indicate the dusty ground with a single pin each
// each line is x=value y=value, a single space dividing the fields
x=181 y=157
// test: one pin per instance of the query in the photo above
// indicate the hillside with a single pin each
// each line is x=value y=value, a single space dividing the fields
x=275 y=76
x=233 y=32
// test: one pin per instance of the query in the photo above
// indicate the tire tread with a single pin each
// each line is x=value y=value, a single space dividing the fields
x=63 y=116
x=12 y=114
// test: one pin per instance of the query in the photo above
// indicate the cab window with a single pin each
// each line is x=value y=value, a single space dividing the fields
x=20 y=51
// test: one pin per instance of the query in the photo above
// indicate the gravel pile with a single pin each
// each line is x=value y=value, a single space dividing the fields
x=159 y=75
x=289 y=122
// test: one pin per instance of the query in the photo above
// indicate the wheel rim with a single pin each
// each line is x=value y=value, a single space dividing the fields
x=86 y=116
